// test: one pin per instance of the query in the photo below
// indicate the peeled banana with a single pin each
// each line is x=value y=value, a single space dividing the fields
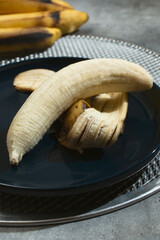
x=22 y=6
x=67 y=20
x=22 y=41
x=54 y=96
x=108 y=110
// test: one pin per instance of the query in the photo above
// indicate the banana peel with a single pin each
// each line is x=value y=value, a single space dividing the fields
x=95 y=128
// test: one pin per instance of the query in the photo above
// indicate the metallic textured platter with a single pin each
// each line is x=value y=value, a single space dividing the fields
x=22 y=210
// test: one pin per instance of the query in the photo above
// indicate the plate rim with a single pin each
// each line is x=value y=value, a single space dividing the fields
x=5 y=62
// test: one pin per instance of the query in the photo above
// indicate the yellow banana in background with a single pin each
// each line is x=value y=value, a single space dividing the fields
x=71 y=20
x=15 y=41
x=68 y=20
x=22 y=6
x=30 y=26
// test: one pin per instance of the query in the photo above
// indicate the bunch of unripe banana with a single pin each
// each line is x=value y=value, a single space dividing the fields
x=94 y=122
x=30 y=26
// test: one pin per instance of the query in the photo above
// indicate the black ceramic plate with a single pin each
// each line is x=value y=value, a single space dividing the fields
x=52 y=169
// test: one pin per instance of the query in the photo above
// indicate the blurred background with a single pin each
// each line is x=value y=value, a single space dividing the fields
x=44 y=22
x=135 y=21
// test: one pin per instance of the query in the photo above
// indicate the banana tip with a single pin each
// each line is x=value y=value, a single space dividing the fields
x=15 y=158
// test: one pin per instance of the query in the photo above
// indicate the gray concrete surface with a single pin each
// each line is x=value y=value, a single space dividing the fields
x=136 y=21
x=137 y=222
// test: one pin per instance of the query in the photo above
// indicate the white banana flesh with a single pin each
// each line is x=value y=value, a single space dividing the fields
x=54 y=96
x=29 y=80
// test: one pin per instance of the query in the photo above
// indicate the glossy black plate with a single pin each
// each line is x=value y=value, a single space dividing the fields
x=50 y=169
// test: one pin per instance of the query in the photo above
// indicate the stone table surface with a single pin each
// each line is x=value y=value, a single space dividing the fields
x=138 y=22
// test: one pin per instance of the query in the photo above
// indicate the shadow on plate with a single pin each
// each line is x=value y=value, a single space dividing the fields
x=61 y=154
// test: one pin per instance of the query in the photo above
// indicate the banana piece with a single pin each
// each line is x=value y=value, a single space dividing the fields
x=68 y=20
x=22 y=41
x=29 y=80
x=54 y=96
x=96 y=128
x=22 y=6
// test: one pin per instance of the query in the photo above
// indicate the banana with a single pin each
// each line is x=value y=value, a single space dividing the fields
x=93 y=128
x=67 y=20
x=22 y=6
x=54 y=96
x=29 y=80
x=70 y=20
x=109 y=104
x=21 y=41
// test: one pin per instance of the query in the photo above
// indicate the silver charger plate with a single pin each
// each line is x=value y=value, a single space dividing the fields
x=23 y=210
